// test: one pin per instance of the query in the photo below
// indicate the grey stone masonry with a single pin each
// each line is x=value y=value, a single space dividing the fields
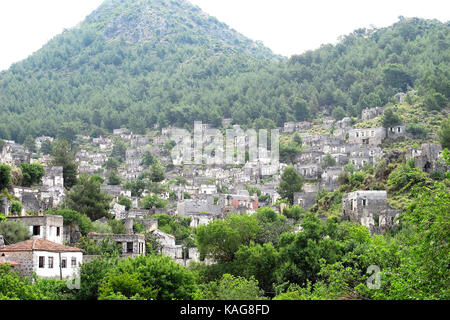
x=368 y=136
x=53 y=177
x=133 y=245
x=307 y=198
x=190 y=207
x=368 y=114
x=330 y=177
x=309 y=171
x=428 y=158
x=47 y=227
x=396 y=132
x=370 y=209
x=309 y=157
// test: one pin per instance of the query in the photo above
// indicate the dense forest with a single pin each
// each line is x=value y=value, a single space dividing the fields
x=140 y=64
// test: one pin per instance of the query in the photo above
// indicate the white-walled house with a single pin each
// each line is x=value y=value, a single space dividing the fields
x=47 y=227
x=208 y=189
x=47 y=259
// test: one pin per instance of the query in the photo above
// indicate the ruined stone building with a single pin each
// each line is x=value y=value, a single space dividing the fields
x=132 y=245
x=309 y=171
x=47 y=227
x=194 y=207
x=330 y=177
x=371 y=113
x=14 y=154
x=238 y=203
x=306 y=198
x=178 y=253
x=370 y=209
x=369 y=136
x=428 y=158
x=396 y=132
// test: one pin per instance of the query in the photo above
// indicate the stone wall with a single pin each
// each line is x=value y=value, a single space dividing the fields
x=48 y=226
x=25 y=260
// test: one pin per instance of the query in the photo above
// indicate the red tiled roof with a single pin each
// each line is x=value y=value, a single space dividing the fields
x=38 y=245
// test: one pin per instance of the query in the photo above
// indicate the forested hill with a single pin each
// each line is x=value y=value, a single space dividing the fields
x=141 y=63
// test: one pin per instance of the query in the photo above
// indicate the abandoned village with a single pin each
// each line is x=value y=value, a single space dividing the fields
x=202 y=193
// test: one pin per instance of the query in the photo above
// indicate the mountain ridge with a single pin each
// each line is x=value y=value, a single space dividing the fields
x=94 y=83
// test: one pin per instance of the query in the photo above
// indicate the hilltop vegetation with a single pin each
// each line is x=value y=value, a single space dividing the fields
x=138 y=64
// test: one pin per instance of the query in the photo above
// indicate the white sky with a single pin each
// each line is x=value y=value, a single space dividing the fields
x=285 y=26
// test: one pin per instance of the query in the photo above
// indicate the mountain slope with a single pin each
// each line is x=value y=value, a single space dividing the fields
x=141 y=63
x=164 y=22
x=120 y=67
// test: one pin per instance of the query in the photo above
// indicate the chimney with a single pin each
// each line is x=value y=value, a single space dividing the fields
x=129 y=225
x=2 y=242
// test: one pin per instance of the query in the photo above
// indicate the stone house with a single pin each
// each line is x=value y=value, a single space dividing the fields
x=45 y=160
x=359 y=162
x=309 y=171
x=371 y=113
x=132 y=245
x=138 y=213
x=341 y=158
x=330 y=177
x=120 y=132
x=29 y=197
x=396 y=132
x=149 y=224
x=71 y=234
x=344 y=123
x=369 y=136
x=337 y=148
x=368 y=152
x=201 y=219
x=341 y=133
x=271 y=190
x=52 y=192
x=238 y=203
x=47 y=227
x=328 y=123
x=118 y=211
x=290 y=127
x=309 y=157
x=314 y=140
x=306 y=198
x=193 y=191
x=169 y=248
x=47 y=259
x=370 y=209
x=208 y=189
x=428 y=157
x=400 y=97
x=194 y=207
x=14 y=154
x=40 y=140
x=140 y=141
x=5 y=154
x=226 y=122
x=116 y=191
x=168 y=244
x=267 y=170
x=53 y=177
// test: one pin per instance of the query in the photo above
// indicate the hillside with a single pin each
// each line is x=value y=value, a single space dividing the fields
x=141 y=63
